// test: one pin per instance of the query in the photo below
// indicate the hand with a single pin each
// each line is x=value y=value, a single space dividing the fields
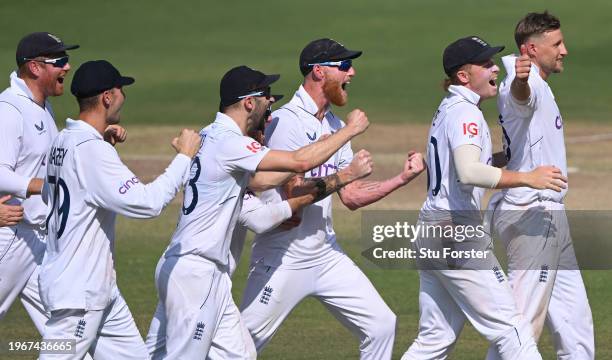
x=188 y=143
x=413 y=166
x=523 y=65
x=295 y=187
x=357 y=121
x=9 y=214
x=546 y=177
x=115 y=134
x=361 y=166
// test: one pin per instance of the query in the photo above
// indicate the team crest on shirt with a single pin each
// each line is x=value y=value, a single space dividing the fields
x=471 y=129
x=199 y=331
x=254 y=147
x=80 y=329
x=265 y=296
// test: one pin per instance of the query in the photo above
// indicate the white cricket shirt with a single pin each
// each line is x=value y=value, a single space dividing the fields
x=89 y=185
x=533 y=133
x=219 y=176
x=313 y=242
x=457 y=121
x=27 y=132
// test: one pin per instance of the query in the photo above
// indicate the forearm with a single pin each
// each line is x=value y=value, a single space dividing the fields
x=471 y=171
x=361 y=193
x=322 y=187
x=35 y=187
x=265 y=180
x=318 y=152
x=269 y=216
x=511 y=179
x=520 y=90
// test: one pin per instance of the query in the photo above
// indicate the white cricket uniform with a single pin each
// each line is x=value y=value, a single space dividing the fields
x=543 y=270
x=287 y=266
x=192 y=276
x=256 y=216
x=27 y=132
x=89 y=186
x=450 y=294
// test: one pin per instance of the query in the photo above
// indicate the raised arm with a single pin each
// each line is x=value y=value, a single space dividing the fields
x=519 y=88
x=361 y=193
x=317 y=153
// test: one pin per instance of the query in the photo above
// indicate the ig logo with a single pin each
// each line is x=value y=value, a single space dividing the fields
x=558 y=122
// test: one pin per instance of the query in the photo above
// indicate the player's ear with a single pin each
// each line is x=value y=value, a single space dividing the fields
x=318 y=72
x=107 y=98
x=463 y=76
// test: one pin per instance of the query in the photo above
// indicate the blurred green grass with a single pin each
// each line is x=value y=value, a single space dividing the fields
x=178 y=51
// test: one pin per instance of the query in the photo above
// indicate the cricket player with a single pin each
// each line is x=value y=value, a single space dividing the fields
x=459 y=168
x=28 y=129
x=288 y=266
x=532 y=224
x=260 y=217
x=89 y=186
x=192 y=277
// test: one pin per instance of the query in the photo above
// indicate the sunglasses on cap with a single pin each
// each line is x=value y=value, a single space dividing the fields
x=343 y=65
x=59 y=62
x=265 y=92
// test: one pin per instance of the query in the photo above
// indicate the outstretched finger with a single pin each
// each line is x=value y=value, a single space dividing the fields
x=523 y=50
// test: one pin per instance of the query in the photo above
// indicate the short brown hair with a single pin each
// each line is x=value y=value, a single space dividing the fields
x=535 y=24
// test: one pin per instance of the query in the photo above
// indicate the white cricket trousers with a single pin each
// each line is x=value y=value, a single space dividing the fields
x=196 y=317
x=544 y=276
x=481 y=294
x=271 y=293
x=107 y=334
x=21 y=252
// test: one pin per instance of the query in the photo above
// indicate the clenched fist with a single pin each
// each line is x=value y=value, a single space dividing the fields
x=115 y=134
x=362 y=165
x=357 y=121
x=413 y=166
x=188 y=142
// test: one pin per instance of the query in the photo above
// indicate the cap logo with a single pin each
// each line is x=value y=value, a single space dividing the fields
x=55 y=38
x=480 y=41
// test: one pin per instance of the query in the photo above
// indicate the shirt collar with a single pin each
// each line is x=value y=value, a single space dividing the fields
x=467 y=94
x=226 y=121
x=305 y=101
x=20 y=87
x=83 y=126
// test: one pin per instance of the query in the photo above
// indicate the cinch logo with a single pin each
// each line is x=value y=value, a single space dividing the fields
x=471 y=128
x=323 y=170
x=559 y=122
x=254 y=147
x=128 y=184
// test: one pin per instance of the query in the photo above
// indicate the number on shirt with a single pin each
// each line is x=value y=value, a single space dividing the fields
x=192 y=187
x=508 y=152
x=436 y=161
x=60 y=190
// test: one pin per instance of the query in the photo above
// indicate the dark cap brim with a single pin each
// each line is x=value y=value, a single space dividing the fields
x=125 y=80
x=346 y=55
x=487 y=54
x=268 y=80
x=277 y=97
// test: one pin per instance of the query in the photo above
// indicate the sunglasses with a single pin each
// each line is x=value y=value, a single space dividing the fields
x=59 y=62
x=343 y=65
x=265 y=92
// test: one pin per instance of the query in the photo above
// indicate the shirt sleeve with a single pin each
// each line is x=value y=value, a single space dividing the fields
x=260 y=217
x=241 y=153
x=465 y=127
x=283 y=133
x=11 y=138
x=112 y=186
